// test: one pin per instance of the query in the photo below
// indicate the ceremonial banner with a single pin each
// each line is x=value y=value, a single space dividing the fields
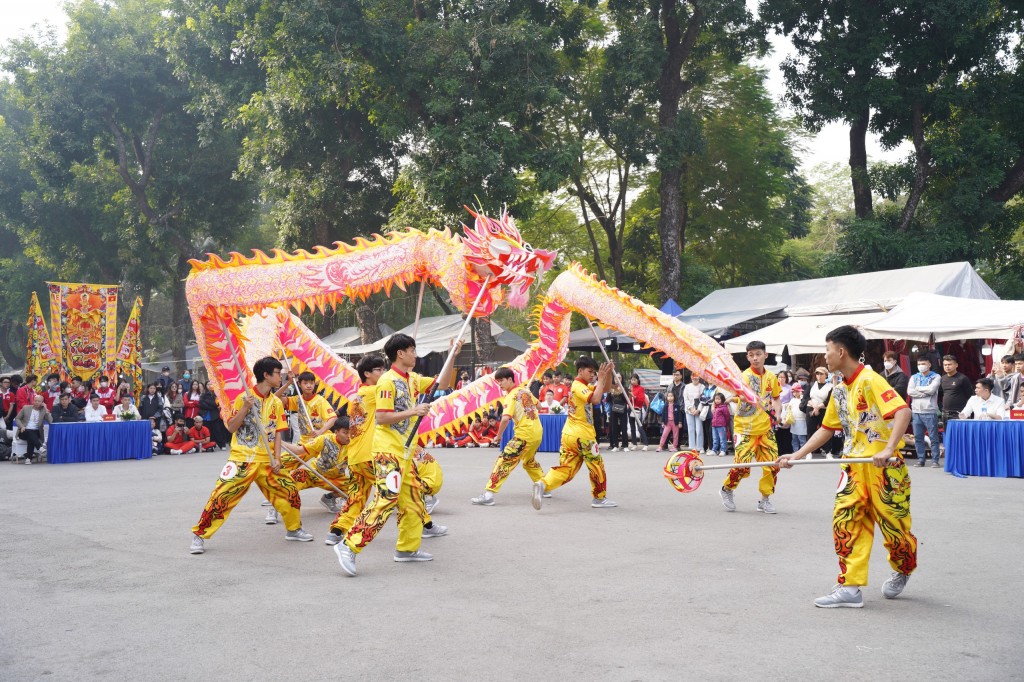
x=129 y=351
x=39 y=356
x=83 y=318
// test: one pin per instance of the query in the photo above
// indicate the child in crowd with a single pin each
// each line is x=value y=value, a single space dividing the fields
x=157 y=437
x=674 y=416
x=720 y=417
x=798 y=430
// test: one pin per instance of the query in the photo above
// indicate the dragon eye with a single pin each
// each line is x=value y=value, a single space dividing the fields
x=499 y=247
x=527 y=246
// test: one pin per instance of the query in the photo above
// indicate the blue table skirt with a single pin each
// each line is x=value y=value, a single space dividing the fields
x=985 y=448
x=98 y=441
x=552 y=439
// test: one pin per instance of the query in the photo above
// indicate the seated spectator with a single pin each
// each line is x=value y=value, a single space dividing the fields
x=177 y=442
x=51 y=391
x=549 y=405
x=200 y=435
x=157 y=437
x=65 y=410
x=462 y=438
x=126 y=411
x=985 y=404
x=478 y=432
x=30 y=422
x=79 y=395
x=94 y=411
x=491 y=429
x=107 y=395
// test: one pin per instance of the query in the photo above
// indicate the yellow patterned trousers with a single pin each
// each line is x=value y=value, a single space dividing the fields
x=516 y=450
x=867 y=496
x=398 y=489
x=360 y=488
x=574 y=453
x=759 y=448
x=234 y=482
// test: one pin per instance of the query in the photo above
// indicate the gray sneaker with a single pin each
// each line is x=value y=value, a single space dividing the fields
x=331 y=540
x=765 y=505
x=431 y=502
x=603 y=503
x=272 y=517
x=435 y=531
x=266 y=503
x=538 y=493
x=727 y=501
x=347 y=558
x=894 y=585
x=418 y=555
x=841 y=597
x=298 y=535
x=485 y=500
x=936 y=464
x=546 y=495
x=330 y=503
x=197 y=546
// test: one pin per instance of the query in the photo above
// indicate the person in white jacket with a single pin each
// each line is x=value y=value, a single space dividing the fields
x=985 y=404
x=924 y=394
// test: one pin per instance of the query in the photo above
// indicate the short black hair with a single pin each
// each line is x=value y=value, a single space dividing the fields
x=29 y=378
x=1019 y=357
x=756 y=345
x=849 y=338
x=52 y=375
x=306 y=376
x=504 y=373
x=548 y=373
x=340 y=423
x=584 y=362
x=1006 y=358
x=265 y=366
x=398 y=342
x=987 y=383
x=950 y=358
x=368 y=363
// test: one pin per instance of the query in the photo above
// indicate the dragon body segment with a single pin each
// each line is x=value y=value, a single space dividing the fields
x=266 y=289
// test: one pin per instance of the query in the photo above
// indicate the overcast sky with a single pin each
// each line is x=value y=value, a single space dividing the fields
x=829 y=146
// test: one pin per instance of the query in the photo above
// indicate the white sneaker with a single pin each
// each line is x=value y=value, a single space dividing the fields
x=197 y=545
x=538 y=493
x=418 y=555
x=727 y=501
x=765 y=505
x=603 y=503
x=298 y=535
x=347 y=558
x=175 y=452
x=614 y=450
x=272 y=517
x=894 y=585
x=431 y=502
x=644 y=448
x=331 y=540
x=485 y=500
x=435 y=531
x=841 y=597
x=330 y=503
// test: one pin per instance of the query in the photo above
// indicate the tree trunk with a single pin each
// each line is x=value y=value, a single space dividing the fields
x=485 y=343
x=180 y=320
x=369 y=328
x=12 y=356
x=921 y=159
x=859 y=165
x=672 y=231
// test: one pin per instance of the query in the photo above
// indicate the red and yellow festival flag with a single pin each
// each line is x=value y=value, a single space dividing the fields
x=83 y=318
x=39 y=356
x=129 y=351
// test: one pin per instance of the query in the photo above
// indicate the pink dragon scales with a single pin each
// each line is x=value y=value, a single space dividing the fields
x=263 y=288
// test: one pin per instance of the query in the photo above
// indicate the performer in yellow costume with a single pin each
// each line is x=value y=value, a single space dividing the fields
x=873 y=417
x=753 y=428
x=249 y=462
x=397 y=409
x=327 y=454
x=521 y=408
x=579 y=439
x=362 y=409
x=429 y=479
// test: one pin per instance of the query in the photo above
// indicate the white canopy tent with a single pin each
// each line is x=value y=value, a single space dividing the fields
x=348 y=336
x=435 y=333
x=924 y=317
x=800 y=334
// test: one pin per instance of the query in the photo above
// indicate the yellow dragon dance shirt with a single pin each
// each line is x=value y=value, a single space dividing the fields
x=862 y=407
x=397 y=392
x=521 y=407
x=330 y=456
x=580 y=424
x=267 y=414
x=362 y=410
x=319 y=410
x=753 y=420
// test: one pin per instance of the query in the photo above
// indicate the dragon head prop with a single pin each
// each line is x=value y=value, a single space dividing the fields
x=495 y=249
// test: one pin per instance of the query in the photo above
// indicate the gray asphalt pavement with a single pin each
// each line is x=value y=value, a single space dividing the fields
x=99 y=584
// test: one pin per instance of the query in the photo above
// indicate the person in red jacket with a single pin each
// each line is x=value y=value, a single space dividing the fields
x=108 y=397
x=26 y=395
x=191 y=400
x=177 y=442
x=200 y=435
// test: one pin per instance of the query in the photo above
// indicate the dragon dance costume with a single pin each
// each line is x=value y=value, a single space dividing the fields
x=579 y=445
x=755 y=440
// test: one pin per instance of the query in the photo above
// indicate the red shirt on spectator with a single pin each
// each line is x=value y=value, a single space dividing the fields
x=26 y=396
x=107 y=398
x=9 y=399
x=198 y=434
x=561 y=392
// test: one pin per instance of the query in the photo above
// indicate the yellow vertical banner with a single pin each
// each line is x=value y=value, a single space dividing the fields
x=129 y=351
x=40 y=358
x=84 y=323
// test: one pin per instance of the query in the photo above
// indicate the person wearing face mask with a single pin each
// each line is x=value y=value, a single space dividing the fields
x=924 y=393
x=894 y=375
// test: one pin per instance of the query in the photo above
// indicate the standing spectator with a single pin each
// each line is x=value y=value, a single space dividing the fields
x=560 y=388
x=721 y=417
x=126 y=411
x=674 y=416
x=798 y=429
x=694 y=425
x=638 y=396
x=185 y=382
x=177 y=441
x=463 y=380
x=956 y=390
x=174 y=403
x=1016 y=398
x=65 y=411
x=123 y=389
x=619 y=416
x=1005 y=378
x=30 y=421
x=815 y=399
x=8 y=399
x=705 y=404
x=94 y=411
x=894 y=375
x=164 y=381
x=151 y=405
x=782 y=433
x=209 y=409
x=26 y=395
x=923 y=390
x=677 y=387
x=51 y=392
x=79 y=394
x=191 y=401
x=200 y=435
x=985 y=404
x=106 y=394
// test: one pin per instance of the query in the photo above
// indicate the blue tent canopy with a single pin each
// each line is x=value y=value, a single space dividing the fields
x=671 y=308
